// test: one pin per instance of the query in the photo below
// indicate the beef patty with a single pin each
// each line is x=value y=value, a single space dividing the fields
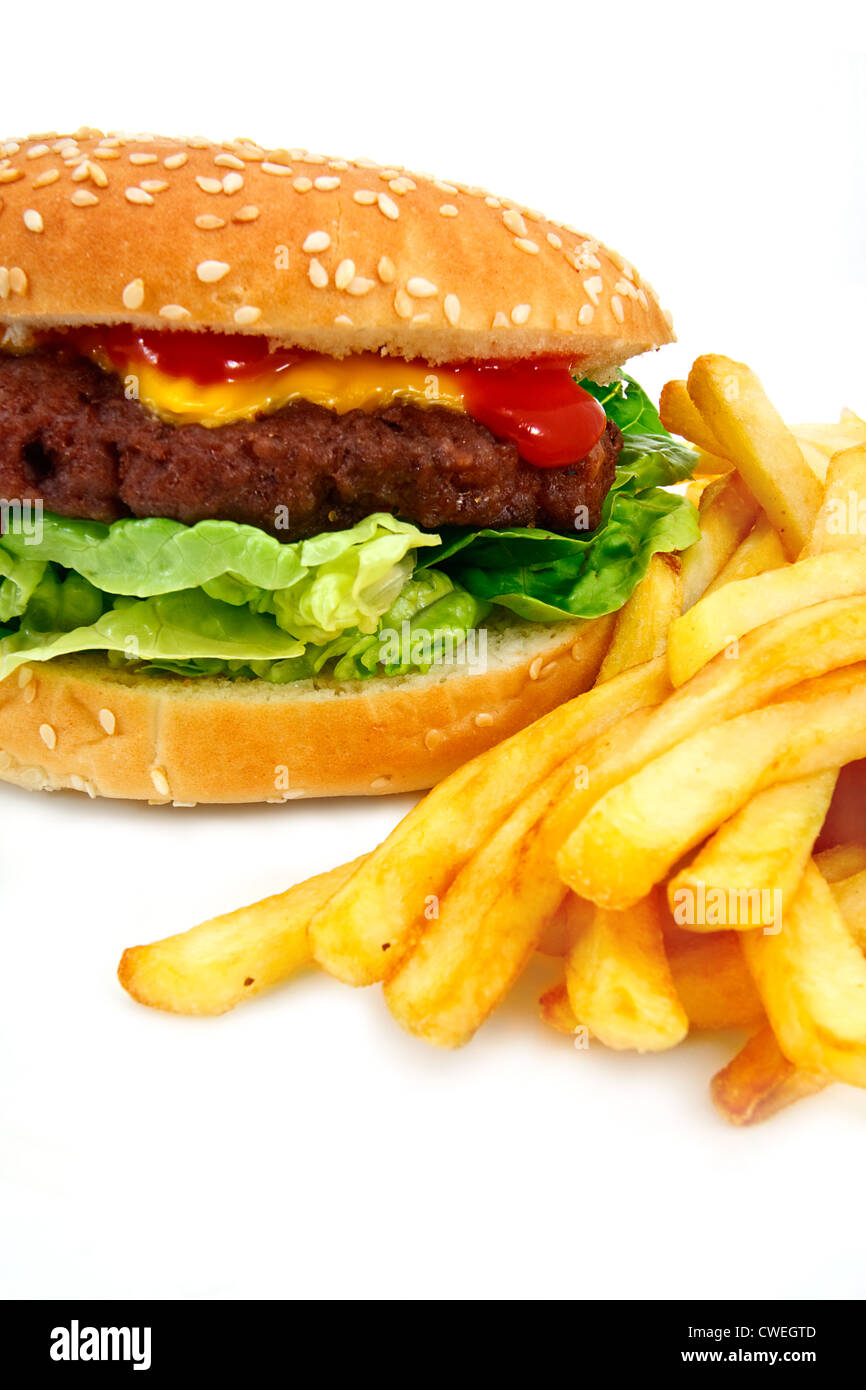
x=69 y=436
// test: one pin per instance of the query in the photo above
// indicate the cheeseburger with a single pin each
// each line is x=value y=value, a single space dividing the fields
x=317 y=476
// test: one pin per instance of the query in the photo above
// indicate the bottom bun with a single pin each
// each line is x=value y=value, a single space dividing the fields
x=78 y=723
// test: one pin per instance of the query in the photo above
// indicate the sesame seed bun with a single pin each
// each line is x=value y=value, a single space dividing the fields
x=78 y=723
x=333 y=255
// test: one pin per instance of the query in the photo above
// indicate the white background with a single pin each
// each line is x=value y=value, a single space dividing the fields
x=303 y=1146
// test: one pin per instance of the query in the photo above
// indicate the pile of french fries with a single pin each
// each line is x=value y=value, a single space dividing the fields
x=658 y=832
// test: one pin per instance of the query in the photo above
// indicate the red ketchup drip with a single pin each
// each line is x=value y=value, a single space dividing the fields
x=538 y=404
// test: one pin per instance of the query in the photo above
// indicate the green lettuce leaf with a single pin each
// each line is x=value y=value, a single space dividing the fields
x=628 y=406
x=314 y=589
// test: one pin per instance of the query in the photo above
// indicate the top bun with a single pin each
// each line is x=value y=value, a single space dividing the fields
x=333 y=255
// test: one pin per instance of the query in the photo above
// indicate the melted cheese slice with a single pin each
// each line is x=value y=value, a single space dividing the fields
x=338 y=385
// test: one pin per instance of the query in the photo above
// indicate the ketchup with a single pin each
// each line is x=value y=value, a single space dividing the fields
x=536 y=404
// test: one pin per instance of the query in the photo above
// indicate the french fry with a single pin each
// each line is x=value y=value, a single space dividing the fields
x=753 y=435
x=759 y=552
x=491 y=918
x=721 y=618
x=680 y=415
x=850 y=895
x=818 y=443
x=727 y=513
x=642 y=827
x=372 y=922
x=710 y=979
x=760 y=1081
x=212 y=967
x=841 y=521
x=555 y=1009
x=642 y=623
x=755 y=861
x=619 y=981
x=812 y=981
x=841 y=861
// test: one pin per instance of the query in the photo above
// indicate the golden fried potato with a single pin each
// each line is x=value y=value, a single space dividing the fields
x=642 y=624
x=811 y=977
x=760 y=1081
x=212 y=967
x=727 y=513
x=370 y=925
x=753 y=435
x=755 y=861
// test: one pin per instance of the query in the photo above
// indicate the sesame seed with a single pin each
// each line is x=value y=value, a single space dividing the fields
x=10 y=175
x=17 y=280
x=50 y=176
x=160 y=781
x=280 y=171
x=209 y=185
x=555 y=241
x=482 y=720
x=343 y=320
x=141 y=158
x=432 y=739
x=318 y=274
x=246 y=214
x=207 y=222
x=33 y=220
x=154 y=185
x=380 y=783
x=103 y=153
x=108 y=721
x=233 y=183
x=451 y=305
x=37 y=151
x=421 y=318
x=302 y=185
x=616 y=306
x=403 y=305
x=30 y=694
x=48 y=736
x=444 y=187
x=25 y=676
x=642 y=299
x=585 y=315
x=514 y=222
x=364 y=196
x=175 y=161
x=5 y=283
x=594 y=286
x=492 y=202
x=229 y=161
x=402 y=185
x=139 y=197
x=340 y=164
x=524 y=244
x=535 y=668
x=344 y=274
x=83 y=198
x=246 y=315
x=419 y=288
x=520 y=313
x=173 y=312
x=133 y=294
x=387 y=174
x=448 y=210
x=211 y=271
x=385 y=270
x=326 y=183
x=315 y=242
x=388 y=207
x=500 y=320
